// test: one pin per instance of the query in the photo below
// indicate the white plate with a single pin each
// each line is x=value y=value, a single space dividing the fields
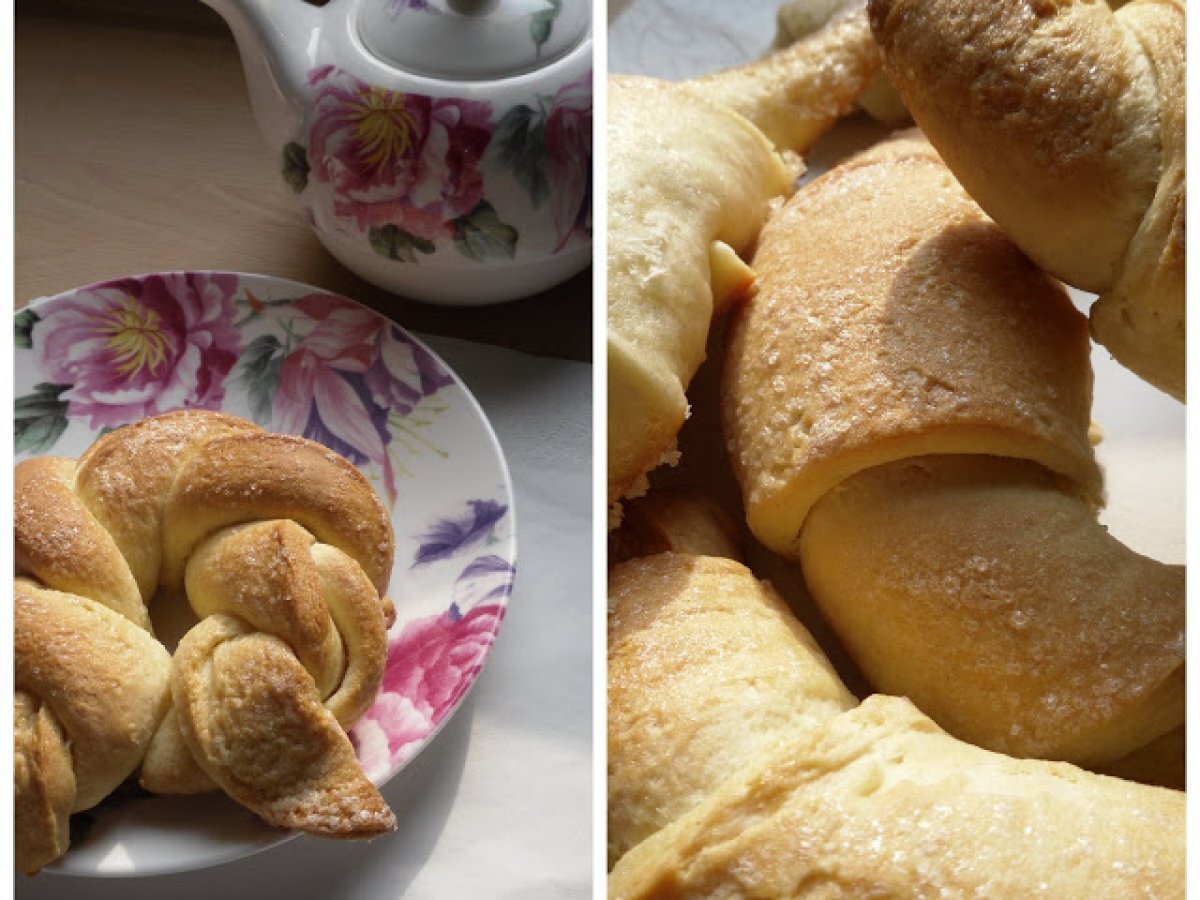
x=298 y=360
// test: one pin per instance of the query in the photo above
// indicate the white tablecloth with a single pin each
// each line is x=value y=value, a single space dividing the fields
x=499 y=805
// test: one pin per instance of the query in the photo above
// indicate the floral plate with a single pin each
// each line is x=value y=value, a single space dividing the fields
x=300 y=361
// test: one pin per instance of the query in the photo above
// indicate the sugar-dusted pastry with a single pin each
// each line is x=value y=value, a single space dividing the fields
x=283 y=551
x=689 y=184
x=92 y=685
x=1066 y=122
x=796 y=19
x=707 y=667
x=794 y=94
x=693 y=167
x=739 y=768
x=907 y=402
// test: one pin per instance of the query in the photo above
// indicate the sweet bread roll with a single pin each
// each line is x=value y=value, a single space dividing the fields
x=707 y=667
x=693 y=167
x=91 y=688
x=283 y=550
x=794 y=94
x=1066 y=122
x=873 y=800
x=1017 y=620
x=907 y=401
x=689 y=183
x=797 y=19
x=894 y=320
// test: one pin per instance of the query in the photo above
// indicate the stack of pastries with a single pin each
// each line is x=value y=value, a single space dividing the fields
x=905 y=398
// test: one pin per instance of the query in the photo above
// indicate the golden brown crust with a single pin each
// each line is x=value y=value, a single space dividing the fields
x=878 y=802
x=275 y=476
x=169 y=766
x=290 y=761
x=796 y=19
x=796 y=93
x=123 y=479
x=893 y=319
x=43 y=786
x=684 y=173
x=813 y=798
x=1064 y=120
x=243 y=515
x=686 y=704
x=894 y=322
x=262 y=573
x=1034 y=106
x=989 y=595
x=692 y=167
x=103 y=678
x=61 y=544
x=1142 y=318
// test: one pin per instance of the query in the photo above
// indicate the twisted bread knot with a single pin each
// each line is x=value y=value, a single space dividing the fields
x=91 y=688
x=1066 y=121
x=908 y=413
x=283 y=551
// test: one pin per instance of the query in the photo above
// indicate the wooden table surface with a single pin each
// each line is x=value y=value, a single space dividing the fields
x=136 y=151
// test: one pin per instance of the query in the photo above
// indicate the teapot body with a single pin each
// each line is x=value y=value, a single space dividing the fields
x=449 y=191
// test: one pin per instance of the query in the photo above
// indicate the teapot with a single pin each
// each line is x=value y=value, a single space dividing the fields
x=440 y=149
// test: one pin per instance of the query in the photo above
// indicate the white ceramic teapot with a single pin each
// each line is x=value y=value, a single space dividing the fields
x=441 y=149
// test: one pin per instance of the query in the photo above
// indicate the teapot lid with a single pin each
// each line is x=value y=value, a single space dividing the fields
x=472 y=40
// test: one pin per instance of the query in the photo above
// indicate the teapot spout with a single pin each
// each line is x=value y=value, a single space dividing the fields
x=277 y=42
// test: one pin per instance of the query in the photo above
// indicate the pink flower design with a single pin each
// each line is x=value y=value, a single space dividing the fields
x=568 y=139
x=430 y=666
x=392 y=158
x=346 y=375
x=141 y=346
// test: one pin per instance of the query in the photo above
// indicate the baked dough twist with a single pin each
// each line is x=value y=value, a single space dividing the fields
x=91 y=687
x=284 y=552
x=692 y=169
x=1066 y=122
x=906 y=402
x=740 y=767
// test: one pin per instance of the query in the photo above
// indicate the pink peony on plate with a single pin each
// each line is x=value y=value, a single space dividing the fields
x=301 y=361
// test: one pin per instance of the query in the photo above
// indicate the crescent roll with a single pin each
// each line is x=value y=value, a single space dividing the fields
x=693 y=168
x=907 y=402
x=1066 y=122
x=739 y=767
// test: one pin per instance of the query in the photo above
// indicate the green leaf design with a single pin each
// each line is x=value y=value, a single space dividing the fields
x=519 y=144
x=40 y=418
x=24 y=321
x=258 y=373
x=541 y=23
x=295 y=166
x=396 y=243
x=481 y=234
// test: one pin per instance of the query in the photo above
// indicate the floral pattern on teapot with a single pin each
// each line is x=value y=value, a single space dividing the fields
x=407 y=171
